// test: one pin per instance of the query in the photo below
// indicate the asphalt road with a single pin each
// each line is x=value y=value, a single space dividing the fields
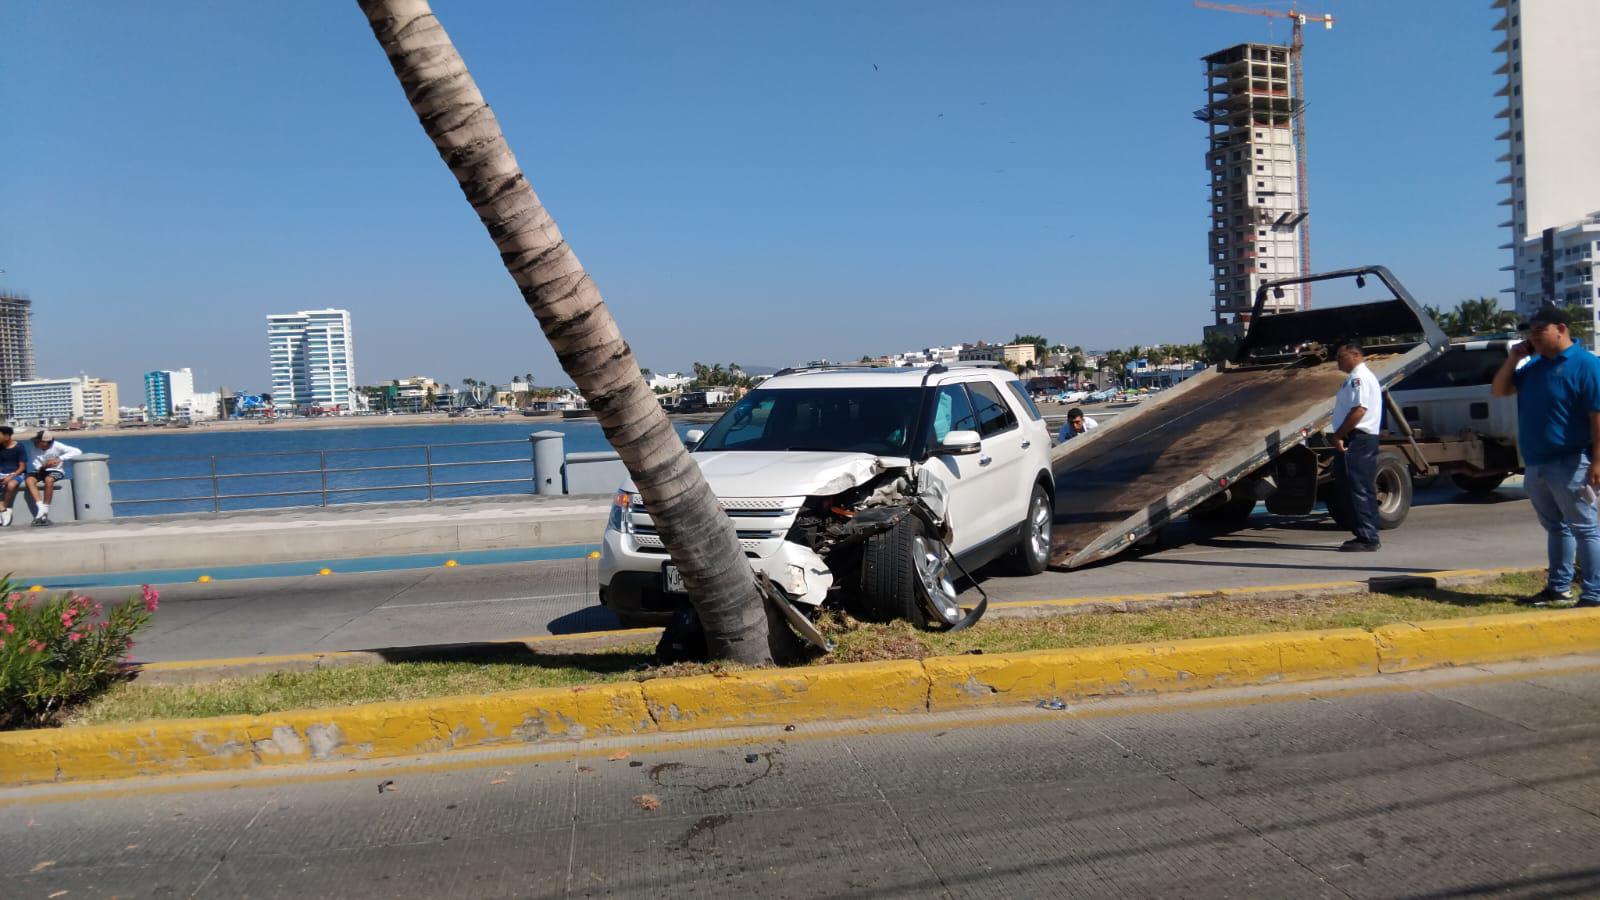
x=1446 y=530
x=1463 y=782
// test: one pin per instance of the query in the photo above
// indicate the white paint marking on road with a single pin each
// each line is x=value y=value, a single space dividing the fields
x=584 y=594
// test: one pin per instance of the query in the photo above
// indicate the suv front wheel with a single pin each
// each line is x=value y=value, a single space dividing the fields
x=888 y=585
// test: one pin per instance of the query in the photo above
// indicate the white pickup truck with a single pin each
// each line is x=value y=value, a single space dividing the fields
x=1450 y=405
x=858 y=484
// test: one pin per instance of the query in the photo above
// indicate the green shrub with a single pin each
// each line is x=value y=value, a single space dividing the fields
x=61 y=650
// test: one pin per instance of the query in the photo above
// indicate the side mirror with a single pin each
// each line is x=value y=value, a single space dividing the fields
x=693 y=437
x=960 y=443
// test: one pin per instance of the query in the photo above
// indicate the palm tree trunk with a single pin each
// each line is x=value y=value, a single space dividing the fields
x=698 y=534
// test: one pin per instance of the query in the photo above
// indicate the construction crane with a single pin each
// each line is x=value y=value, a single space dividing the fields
x=1297 y=44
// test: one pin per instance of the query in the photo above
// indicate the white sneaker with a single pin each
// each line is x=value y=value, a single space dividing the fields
x=5 y=517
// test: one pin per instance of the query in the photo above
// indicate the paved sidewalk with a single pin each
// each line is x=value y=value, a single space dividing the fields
x=315 y=533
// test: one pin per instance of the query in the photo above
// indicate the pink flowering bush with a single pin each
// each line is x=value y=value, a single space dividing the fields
x=60 y=650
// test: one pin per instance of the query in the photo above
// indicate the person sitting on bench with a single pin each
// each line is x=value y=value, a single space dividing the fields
x=47 y=458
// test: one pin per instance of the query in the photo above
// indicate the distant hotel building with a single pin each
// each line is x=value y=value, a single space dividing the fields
x=47 y=401
x=16 y=344
x=99 y=402
x=1552 y=57
x=1255 y=214
x=313 y=359
x=167 y=390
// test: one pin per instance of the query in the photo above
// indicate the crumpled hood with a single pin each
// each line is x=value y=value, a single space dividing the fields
x=735 y=473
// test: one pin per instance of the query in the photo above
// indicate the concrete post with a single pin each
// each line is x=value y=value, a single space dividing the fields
x=91 y=487
x=549 y=462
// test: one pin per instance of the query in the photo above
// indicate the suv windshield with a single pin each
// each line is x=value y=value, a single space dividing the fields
x=861 y=420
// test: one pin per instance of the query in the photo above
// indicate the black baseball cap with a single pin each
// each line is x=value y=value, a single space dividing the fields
x=1548 y=314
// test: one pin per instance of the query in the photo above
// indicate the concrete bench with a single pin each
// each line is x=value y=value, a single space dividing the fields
x=63 y=508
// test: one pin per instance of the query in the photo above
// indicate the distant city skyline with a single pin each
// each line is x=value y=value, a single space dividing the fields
x=757 y=183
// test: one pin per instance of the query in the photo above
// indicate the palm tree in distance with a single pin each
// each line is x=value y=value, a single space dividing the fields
x=697 y=533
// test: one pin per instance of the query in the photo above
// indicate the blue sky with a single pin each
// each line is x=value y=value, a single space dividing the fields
x=741 y=182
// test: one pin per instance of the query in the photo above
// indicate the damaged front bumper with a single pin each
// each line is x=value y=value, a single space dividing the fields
x=802 y=549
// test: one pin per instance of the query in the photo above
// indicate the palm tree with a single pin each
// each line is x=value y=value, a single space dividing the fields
x=698 y=534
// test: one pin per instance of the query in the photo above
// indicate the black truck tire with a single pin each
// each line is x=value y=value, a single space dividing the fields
x=1394 y=494
x=888 y=580
x=1394 y=490
x=1478 y=484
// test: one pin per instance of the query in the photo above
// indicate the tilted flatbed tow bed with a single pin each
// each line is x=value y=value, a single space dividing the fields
x=1232 y=426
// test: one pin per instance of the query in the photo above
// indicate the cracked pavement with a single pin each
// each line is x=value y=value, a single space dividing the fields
x=1479 y=780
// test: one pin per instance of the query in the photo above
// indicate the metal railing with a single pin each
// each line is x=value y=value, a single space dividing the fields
x=215 y=472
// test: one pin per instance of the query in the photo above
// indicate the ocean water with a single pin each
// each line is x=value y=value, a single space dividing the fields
x=172 y=470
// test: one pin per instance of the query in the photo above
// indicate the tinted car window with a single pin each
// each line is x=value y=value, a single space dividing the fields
x=1025 y=400
x=952 y=411
x=1457 y=368
x=994 y=416
x=863 y=420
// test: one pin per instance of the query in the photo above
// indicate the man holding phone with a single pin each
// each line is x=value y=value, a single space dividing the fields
x=1558 y=431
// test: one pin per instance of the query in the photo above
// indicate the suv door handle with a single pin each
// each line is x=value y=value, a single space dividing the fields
x=985 y=460
x=1027 y=444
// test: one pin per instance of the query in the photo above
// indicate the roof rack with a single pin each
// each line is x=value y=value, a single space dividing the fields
x=827 y=367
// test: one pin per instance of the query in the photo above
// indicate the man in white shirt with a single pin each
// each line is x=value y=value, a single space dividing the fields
x=1077 y=423
x=1357 y=418
x=47 y=458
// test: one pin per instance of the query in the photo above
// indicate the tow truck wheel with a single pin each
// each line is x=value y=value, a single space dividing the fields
x=888 y=586
x=1394 y=494
x=1394 y=490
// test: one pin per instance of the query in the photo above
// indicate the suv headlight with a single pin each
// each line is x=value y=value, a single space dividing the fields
x=620 y=521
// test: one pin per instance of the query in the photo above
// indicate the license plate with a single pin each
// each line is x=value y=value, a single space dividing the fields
x=674 y=580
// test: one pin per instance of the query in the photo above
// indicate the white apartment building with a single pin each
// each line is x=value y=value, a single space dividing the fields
x=199 y=406
x=1254 y=172
x=313 y=359
x=1551 y=57
x=669 y=381
x=47 y=401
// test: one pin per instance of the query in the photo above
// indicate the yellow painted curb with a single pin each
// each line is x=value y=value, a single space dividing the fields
x=855 y=690
x=963 y=681
x=770 y=696
x=365 y=731
x=1426 y=645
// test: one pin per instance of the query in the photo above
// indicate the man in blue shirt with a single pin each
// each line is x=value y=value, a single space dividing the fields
x=1558 y=431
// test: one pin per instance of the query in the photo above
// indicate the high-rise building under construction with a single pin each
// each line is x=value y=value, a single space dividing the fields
x=16 y=344
x=1255 y=208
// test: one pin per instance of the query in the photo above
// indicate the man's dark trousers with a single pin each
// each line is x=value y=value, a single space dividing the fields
x=1356 y=471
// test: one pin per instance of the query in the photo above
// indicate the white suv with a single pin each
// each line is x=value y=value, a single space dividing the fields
x=858 y=483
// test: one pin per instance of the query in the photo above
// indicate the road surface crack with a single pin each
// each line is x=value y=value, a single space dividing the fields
x=904 y=827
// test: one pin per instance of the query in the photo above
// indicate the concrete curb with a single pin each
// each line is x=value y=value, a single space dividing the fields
x=767 y=697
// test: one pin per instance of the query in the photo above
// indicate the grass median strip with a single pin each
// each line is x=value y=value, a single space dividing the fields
x=855 y=641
